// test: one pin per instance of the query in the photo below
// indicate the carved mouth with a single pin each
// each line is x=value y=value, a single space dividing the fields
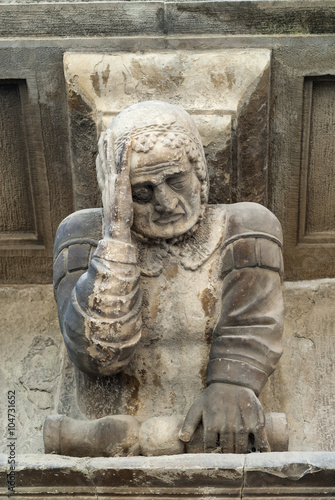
x=168 y=219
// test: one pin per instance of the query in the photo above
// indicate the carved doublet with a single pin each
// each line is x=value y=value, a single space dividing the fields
x=183 y=287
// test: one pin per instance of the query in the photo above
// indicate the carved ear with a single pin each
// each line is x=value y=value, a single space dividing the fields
x=201 y=170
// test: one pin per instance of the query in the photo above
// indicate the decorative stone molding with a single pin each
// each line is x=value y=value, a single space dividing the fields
x=243 y=477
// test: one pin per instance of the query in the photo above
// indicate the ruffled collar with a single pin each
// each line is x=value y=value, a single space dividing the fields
x=191 y=251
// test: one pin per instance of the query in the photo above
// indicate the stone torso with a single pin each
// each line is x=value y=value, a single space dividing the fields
x=181 y=302
x=229 y=268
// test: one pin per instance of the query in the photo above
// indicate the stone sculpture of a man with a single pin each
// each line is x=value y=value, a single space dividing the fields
x=181 y=296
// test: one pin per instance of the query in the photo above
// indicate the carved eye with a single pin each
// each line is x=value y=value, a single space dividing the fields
x=142 y=194
x=177 y=183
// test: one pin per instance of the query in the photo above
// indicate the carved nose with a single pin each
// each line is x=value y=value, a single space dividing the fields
x=165 y=199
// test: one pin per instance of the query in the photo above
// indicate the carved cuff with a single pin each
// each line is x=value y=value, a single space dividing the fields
x=231 y=371
x=116 y=251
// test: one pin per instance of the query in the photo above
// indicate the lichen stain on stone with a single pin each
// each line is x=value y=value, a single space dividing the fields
x=156 y=380
x=203 y=374
x=155 y=306
x=159 y=79
x=219 y=79
x=143 y=375
x=230 y=78
x=171 y=271
x=96 y=83
x=77 y=104
x=208 y=302
x=172 y=397
x=208 y=333
x=133 y=387
x=105 y=75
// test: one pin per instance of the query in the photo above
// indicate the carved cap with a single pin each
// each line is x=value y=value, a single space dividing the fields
x=154 y=116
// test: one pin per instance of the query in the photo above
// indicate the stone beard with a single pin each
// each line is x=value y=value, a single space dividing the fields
x=175 y=304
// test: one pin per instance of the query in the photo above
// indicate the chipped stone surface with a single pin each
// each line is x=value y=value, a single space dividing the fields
x=204 y=81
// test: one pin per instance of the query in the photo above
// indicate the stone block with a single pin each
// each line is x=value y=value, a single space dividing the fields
x=226 y=91
x=302 y=385
x=31 y=347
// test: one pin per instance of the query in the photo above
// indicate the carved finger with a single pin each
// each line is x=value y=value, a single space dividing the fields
x=261 y=442
x=211 y=439
x=122 y=211
x=227 y=441
x=109 y=152
x=106 y=171
x=191 y=422
x=241 y=439
x=100 y=173
x=124 y=188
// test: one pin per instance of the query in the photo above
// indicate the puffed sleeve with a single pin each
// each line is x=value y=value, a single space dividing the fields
x=99 y=307
x=247 y=341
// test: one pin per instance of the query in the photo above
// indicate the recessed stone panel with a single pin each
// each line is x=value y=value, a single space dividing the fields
x=16 y=202
x=317 y=189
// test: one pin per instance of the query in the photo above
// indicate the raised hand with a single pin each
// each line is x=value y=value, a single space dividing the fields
x=232 y=417
x=114 y=183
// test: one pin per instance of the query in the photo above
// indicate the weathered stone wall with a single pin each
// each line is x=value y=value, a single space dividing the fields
x=37 y=171
x=35 y=358
x=31 y=352
x=298 y=179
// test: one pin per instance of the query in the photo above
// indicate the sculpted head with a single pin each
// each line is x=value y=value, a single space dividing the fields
x=168 y=171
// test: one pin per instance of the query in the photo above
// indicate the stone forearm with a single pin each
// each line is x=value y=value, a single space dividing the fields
x=247 y=339
x=102 y=324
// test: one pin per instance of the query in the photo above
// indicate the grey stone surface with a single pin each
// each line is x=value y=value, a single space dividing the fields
x=159 y=436
x=166 y=18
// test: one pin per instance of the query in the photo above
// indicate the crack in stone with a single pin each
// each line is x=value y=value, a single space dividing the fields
x=298 y=336
x=87 y=471
x=243 y=477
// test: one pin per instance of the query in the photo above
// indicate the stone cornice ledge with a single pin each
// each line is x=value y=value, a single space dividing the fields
x=269 y=475
x=72 y=18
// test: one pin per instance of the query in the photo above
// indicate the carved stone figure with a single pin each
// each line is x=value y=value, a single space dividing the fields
x=159 y=288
